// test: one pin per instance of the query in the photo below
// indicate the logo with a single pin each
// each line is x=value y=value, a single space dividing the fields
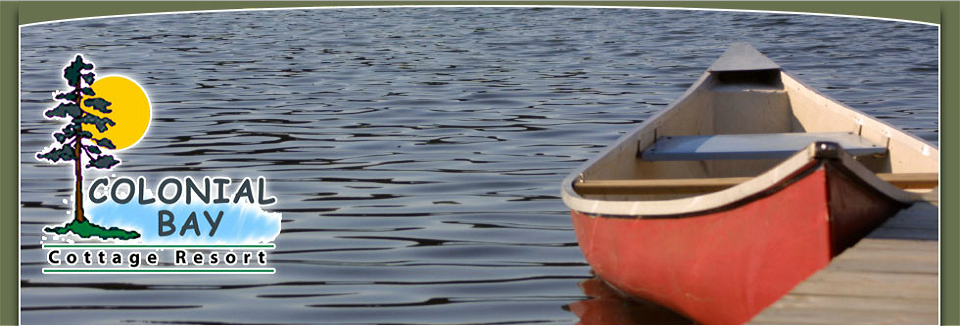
x=177 y=225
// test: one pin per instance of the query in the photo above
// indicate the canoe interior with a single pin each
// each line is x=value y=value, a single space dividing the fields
x=751 y=102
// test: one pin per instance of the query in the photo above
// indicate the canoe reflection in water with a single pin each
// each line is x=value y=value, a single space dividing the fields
x=606 y=306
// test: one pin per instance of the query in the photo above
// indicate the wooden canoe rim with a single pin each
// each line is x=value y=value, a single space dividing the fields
x=826 y=156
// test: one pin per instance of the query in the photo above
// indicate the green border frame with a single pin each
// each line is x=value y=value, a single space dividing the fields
x=950 y=159
x=924 y=11
x=945 y=13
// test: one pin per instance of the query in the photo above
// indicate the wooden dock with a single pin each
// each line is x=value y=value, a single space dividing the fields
x=889 y=277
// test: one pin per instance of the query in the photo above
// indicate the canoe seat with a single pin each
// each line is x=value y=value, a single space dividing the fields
x=751 y=146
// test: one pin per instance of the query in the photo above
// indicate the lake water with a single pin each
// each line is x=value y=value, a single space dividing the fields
x=416 y=152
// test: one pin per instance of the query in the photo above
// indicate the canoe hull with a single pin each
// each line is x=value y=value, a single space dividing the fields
x=721 y=255
x=725 y=266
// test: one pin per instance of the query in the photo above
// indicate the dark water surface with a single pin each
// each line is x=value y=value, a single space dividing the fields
x=416 y=152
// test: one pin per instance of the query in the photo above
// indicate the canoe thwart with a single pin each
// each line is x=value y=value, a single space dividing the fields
x=690 y=186
x=911 y=180
x=751 y=146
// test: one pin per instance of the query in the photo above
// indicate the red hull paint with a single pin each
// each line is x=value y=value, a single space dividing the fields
x=717 y=268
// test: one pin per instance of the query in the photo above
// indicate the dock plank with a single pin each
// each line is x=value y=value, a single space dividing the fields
x=889 y=277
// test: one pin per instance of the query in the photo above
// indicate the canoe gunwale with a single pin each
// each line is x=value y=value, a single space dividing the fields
x=786 y=182
x=801 y=164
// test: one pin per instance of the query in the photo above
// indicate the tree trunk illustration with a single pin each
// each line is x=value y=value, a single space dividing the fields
x=78 y=169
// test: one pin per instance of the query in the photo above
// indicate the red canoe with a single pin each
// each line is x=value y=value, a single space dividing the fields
x=722 y=202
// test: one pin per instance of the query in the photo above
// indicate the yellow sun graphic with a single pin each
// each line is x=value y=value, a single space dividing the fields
x=131 y=110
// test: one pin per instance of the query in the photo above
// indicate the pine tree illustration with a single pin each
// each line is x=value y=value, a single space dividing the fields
x=72 y=143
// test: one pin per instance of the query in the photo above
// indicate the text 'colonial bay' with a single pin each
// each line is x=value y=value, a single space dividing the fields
x=172 y=190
